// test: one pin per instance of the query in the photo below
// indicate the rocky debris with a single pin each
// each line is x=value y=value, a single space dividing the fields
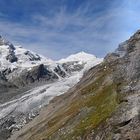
x=5 y=131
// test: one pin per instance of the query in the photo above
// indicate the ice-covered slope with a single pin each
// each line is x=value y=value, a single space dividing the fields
x=19 y=57
x=81 y=56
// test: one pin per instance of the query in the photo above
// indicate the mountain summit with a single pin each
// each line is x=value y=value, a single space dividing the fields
x=17 y=57
x=81 y=56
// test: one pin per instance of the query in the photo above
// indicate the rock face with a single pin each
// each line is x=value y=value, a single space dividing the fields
x=11 y=57
x=38 y=73
x=104 y=105
x=32 y=57
x=72 y=66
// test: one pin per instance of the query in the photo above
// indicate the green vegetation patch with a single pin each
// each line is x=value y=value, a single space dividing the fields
x=104 y=103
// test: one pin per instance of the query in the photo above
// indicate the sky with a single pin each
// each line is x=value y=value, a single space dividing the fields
x=58 y=28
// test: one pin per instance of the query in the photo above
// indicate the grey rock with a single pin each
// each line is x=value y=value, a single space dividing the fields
x=32 y=57
x=5 y=42
x=11 y=57
x=60 y=72
x=72 y=66
x=36 y=74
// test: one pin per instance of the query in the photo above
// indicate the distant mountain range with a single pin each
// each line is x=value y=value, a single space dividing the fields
x=28 y=81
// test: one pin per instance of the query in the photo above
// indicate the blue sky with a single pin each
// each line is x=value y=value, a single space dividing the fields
x=58 y=28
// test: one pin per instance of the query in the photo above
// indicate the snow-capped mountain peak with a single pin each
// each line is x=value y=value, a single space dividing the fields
x=81 y=56
x=88 y=60
x=17 y=57
x=23 y=69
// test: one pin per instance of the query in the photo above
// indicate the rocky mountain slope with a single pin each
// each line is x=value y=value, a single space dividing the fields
x=29 y=81
x=104 y=105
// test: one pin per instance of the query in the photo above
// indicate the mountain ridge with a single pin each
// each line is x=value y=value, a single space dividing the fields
x=29 y=81
x=16 y=61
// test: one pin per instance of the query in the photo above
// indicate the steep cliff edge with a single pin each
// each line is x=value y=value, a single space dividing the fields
x=104 y=105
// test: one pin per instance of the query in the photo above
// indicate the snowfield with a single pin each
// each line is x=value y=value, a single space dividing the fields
x=26 y=58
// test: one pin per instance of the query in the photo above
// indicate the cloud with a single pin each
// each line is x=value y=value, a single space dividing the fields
x=68 y=32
